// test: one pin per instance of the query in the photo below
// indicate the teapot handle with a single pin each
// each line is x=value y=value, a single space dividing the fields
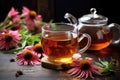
x=71 y=19
x=116 y=32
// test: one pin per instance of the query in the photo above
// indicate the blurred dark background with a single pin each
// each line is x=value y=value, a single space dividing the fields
x=55 y=9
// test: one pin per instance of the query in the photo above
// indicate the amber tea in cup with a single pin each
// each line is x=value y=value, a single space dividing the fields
x=60 y=42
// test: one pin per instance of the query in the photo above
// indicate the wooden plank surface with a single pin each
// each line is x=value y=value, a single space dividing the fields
x=8 y=69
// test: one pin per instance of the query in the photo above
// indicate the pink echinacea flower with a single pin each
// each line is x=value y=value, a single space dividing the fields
x=37 y=48
x=14 y=15
x=12 y=20
x=28 y=57
x=9 y=39
x=84 y=67
x=31 y=19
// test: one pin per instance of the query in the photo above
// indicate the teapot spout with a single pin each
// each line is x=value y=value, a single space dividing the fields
x=71 y=19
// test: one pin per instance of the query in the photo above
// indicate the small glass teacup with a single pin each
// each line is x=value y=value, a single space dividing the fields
x=61 y=41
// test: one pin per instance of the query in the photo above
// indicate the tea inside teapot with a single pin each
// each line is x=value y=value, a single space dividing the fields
x=100 y=39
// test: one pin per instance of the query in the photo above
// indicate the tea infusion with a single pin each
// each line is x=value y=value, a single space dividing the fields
x=100 y=39
x=60 y=47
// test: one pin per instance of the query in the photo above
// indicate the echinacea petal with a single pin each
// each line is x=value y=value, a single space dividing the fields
x=81 y=74
x=32 y=63
x=90 y=74
x=96 y=67
x=25 y=63
x=96 y=72
x=71 y=70
x=25 y=11
x=75 y=71
x=21 y=62
x=2 y=45
x=87 y=73
x=37 y=62
x=13 y=12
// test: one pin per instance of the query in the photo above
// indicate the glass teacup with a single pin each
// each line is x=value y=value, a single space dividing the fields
x=61 y=41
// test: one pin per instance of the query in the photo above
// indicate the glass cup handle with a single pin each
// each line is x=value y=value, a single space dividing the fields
x=84 y=35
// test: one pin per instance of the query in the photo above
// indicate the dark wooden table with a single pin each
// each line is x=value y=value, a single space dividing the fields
x=8 y=69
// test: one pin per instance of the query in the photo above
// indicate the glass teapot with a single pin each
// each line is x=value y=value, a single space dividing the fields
x=96 y=26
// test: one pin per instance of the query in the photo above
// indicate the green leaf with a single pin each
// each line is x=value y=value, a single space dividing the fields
x=107 y=66
x=13 y=50
x=54 y=26
x=32 y=39
x=29 y=37
x=99 y=64
x=103 y=70
x=105 y=63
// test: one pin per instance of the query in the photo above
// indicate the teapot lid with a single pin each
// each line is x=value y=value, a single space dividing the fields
x=93 y=18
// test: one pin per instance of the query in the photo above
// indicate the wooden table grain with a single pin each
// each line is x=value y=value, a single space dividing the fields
x=8 y=69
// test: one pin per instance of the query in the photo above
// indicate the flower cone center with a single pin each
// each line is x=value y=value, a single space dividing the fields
x=27 y=55
x=33 y=14
x=7 y=37
x=85 y=64
x=38 y=48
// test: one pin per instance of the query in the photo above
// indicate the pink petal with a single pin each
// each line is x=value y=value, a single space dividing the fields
x=37 y=62
x=87 y=74
x=71 y=70
x=12 y=12
x=25 y=11
x=39 y=17
x=32 y=63
x=90 y=74
x=78 y=73
x=96 y=72
x=75 y=71
x=82 y=74
x=25 y=62
x=96 y=67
